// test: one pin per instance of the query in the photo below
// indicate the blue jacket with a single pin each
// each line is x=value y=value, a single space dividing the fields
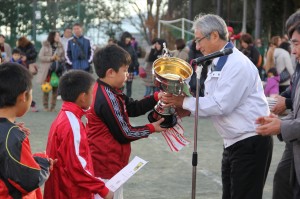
x=79 y=53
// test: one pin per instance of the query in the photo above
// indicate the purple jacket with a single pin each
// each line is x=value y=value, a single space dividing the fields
x=272 y=86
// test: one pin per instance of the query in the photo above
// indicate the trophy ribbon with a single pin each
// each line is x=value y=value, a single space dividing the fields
x=175 y=136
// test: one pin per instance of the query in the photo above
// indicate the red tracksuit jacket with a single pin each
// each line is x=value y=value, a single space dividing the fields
x=109 y=130
x=73 y=175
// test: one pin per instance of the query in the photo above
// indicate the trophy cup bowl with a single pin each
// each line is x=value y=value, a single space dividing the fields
x=170 y=73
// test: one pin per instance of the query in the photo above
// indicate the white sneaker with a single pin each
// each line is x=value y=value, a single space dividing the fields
x=58 y=97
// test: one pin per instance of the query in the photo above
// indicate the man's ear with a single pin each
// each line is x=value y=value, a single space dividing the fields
x=214 y=35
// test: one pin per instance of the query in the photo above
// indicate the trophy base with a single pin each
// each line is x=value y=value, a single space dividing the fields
x=170 y=120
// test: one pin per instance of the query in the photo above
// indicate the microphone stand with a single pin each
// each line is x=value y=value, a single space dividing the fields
x=195 y=153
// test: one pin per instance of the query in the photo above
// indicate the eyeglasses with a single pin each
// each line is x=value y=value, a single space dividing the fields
x=197 y=41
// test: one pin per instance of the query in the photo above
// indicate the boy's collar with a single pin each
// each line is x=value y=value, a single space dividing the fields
x=116 y=91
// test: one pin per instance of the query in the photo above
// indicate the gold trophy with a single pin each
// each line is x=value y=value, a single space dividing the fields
x=169 y=73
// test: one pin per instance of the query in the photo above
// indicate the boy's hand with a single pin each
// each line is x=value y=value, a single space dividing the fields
x=23 y=128
x=110 y=195
x=52 y=163
x=157 y=127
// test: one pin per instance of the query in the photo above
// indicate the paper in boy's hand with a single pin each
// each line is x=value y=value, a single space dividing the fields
x=127 y=172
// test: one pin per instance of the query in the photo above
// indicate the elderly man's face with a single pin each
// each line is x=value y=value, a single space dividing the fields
x=295 y=40
x=202 y=42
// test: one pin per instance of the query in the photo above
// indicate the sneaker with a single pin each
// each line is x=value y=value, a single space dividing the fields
x=58 y=97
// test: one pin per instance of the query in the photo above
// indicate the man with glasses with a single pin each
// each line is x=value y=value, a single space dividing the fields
x=234 y=98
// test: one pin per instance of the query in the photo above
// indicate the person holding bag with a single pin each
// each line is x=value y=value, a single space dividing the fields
x=51 y=56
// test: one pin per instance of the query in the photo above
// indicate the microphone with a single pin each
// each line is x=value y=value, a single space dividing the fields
x=220 y=53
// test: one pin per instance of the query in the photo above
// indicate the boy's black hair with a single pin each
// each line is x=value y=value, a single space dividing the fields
x=14 y=80
x=73 y=83
x=273 y=71
x=16 y=51
x=111 y=56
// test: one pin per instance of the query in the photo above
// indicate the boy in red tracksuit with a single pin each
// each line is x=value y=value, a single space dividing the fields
x=109 y=130
x=73 y=175
x=21 y=173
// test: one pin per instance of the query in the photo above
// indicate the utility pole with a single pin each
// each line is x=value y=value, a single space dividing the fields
x=34 y=21
x=244 y=29
x=257 y=19
x=219 y=8
x=78 y=11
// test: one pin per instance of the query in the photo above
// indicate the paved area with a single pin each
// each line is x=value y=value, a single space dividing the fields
x=168 y=175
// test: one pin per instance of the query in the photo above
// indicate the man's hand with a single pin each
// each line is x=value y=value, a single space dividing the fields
x=182 y=112
x=172 y=100
x=279 y=107
x=110 y=195
x=269 y=125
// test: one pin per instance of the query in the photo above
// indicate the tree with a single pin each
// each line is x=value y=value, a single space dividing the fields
x=147 y=20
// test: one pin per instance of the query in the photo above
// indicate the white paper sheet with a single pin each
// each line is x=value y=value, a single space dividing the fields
x=127 y=172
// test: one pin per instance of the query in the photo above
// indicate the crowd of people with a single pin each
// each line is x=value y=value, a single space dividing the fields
x=81 y=157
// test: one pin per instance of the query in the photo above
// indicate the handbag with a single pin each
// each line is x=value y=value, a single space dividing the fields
x=142 y=72
x=54 y=79
x=284 y=76
x=57 y=67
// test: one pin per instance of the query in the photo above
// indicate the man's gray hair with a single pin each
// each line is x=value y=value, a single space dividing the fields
x=207 y=23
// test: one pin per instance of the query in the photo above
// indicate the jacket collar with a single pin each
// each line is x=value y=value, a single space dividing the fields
x=74 y=108
x=115 y=91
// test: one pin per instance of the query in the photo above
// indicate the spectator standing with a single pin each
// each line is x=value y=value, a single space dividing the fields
x=125 y=43
x=5 y=49
x=135 y=45
x=66 y=36
x=281 y=60
x=181 y=51
x=16 y=57
x=248 y=48
x=52 y=52
x=79 y=52
x=29 y=56
x=262 y=51
x=231 y=36
x=155 y=52
x=194 y=53
x=272 y=85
